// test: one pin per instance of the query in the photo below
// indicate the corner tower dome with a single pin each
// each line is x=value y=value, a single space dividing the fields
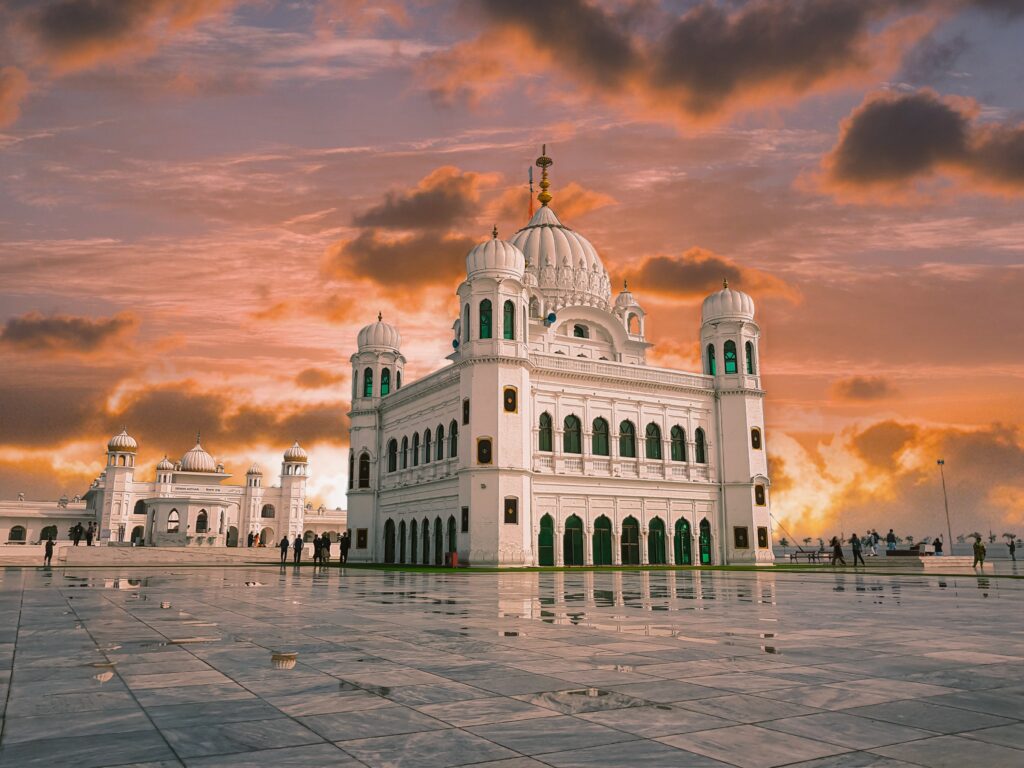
x=122 y=441
x=164 y=465
x=197 y=459
x=296 y=453
x=380 y=335
x=727 y=304
x=566 y=266
x=498 y=257
x=255 y=469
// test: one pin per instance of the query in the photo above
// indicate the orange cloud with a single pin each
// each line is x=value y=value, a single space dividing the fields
x=14 y=87
x=862 y=388
x=697 y=272
x=317 y=378
x=403 y=261
x=440 y=199
x=66 y=334
x=573 y=201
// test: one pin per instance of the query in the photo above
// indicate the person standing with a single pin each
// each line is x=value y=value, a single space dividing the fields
x=325 y=549
x=316 y=548
x=88 y=535
x=284 y=549
x=76 y=533
x=837 y=551
x=343 y=547
x=48 y=552
x=249 y=539
x=938 y=545
x=890 y=541
x=297 y=549
x=855 y=543
x=1013 y=550
x=979 y=554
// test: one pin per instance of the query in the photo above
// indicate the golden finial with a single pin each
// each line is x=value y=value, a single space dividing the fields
x=380 y=316
x=625 y=284
x=725 y=283
x=197 y=436
x=544 y=162
x=494 y=232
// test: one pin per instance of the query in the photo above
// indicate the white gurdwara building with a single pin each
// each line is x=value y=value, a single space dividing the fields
x=548 y=440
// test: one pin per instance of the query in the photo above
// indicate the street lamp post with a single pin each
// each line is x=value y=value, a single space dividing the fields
x=945 y=500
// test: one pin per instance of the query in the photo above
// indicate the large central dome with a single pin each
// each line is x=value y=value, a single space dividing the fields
x=568 y=270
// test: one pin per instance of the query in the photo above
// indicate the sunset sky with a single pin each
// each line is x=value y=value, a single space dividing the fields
x=202 y=201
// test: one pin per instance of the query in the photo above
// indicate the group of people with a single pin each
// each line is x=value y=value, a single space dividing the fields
x=77 y=532
x=321 y=548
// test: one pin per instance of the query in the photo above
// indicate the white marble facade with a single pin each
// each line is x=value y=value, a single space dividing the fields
x=548 y=439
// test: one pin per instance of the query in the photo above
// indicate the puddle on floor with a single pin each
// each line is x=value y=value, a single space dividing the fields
x=283 y=660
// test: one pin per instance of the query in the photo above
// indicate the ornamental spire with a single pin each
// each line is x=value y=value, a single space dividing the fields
x=494 y=232
x=380 y=316
x=725 y=283
x=544 y=162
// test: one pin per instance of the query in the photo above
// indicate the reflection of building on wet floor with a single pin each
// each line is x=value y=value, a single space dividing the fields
x=549 y=440
x=187 y=504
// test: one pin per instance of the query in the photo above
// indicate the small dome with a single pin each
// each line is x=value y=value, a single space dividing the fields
x=380 y=334
x=625 y=298
x=296 y=453
x=198 y=460
x=496 y=255
x=165 y=465
x=727 y=304
x=255 y=469
x=122 y=442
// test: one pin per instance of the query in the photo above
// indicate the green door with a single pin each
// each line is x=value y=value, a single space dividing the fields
x=683 y=544
x=656 y=542
x=438 y=542
x=630 y=541
x=572 y=541
x=705 y=542
x=389 y=542
x=426 y=541
x=546 y=541
x=602 y=541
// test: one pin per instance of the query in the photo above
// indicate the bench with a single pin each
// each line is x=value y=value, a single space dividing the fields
x=810 y=557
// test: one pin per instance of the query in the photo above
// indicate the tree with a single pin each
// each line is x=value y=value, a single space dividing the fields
x=808 y=540
x=783 y=542
x=910 y=539
x=961 y=538
x=1009 y=537
x=976 y=535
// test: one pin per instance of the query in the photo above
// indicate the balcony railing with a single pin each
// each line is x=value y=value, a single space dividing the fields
x=424 y=473
x=621 y=371
x=603 y=466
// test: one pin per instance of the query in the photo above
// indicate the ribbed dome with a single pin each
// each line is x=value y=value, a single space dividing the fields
x=496 y=255
x=255 y=469
x=164 y=465
x=198 y=460
x=296 y=453
x=122 y=442
x=727 y=304
x=625 y=299
x=380 y=334
x=568 y=270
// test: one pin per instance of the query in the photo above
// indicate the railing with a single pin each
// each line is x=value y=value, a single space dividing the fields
x=623 y=371
x=601 y=466
x=424 y=473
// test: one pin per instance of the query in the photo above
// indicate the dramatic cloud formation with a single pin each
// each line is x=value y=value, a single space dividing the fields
x=407 y=262
x=863 y=388
x=66 y=333
x=698 y=272
x=894 y=140
x=443 y=198
x=78 y=34
x=14 y=87
x=317 y=378
x=573 y=202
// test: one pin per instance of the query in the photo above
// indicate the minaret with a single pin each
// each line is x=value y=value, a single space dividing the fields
x=729 y=346
x=115 y=514
x=251 y=509
x=294 y=474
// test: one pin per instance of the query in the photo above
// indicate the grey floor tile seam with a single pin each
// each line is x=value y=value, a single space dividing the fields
x=14 y=656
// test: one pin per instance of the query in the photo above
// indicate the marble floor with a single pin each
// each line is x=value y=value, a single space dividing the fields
x=315 y=667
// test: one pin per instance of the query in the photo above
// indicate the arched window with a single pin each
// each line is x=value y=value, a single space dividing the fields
x=453 y=439
x=749 y=348
x=581 y=332
x=427 y=447
x=465 y=324
x=351 y=470
x=544 y=441
x=140 y=508
x=755 y=439
x=439 y=438
x=700 y=447
x=50 y=532
x=173 y=521
x=759 y=495
x=508 y=321
x=711 y=369
x=405 y=453
x=364 y=470
x=534 y=307
x=267 y=511
x=599 y=440
x=17 y=533
x=392 y=455
x=485 y=319
x=368 y=382
x=731 y=363
x=653 y=441
x=416 y=449
x=571 y=442
x=398 y=379
x=678 y=435
x=633 y=325
x=385 y=382
x=627 y=440
x=202 y=522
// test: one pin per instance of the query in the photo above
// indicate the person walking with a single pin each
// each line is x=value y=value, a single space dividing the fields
x=297 y=549
x=979 y=554
x=343 y=546
x=837 y=551
x=48 y=552
x=890 y=541
x=283 y=546
x=76 y=533
x=316 y=548
x=855 y=543
x=90 y=532
x=1013 y=550
x=325 y=549
x=249 y=539
x=938 y=545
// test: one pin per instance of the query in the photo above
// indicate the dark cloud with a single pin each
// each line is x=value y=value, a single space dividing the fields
x=894 y=140
x=932 y=58
x=863 y=388
x=65 y=333
x=426 y=258
x=317 y=378
x=40 y=415
x=440 y=200
x=698 y=272
x=14 y=86
x=880 y=444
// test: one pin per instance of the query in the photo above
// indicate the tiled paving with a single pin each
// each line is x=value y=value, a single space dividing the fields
x=173 y=667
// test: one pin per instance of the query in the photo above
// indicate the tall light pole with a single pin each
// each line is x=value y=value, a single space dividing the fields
x=945 y=500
